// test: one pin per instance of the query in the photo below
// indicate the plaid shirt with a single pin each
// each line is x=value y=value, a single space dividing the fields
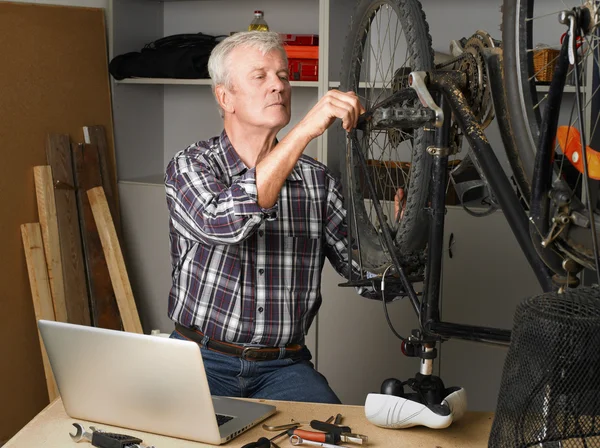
x=241 y=273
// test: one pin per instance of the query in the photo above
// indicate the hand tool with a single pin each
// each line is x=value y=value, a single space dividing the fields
x=328 y=437
x=102 y=439
x=325 y=437
x=280 y=427
x=338 y=419
x=329 y=420
x=263 y=442
x=345 y=433
x=297 y=440
x=329 y=427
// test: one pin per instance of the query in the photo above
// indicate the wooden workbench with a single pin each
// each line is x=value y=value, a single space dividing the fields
x=51 y=427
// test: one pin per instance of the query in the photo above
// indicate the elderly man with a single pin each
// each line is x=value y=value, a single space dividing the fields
x=251 y=222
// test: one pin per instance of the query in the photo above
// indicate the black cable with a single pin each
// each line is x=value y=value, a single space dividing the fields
x=385 y=310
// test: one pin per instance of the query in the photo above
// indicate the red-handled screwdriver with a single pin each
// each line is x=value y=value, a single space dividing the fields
x=324 y=437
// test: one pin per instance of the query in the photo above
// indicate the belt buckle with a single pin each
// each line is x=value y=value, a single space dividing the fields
x=245 y=351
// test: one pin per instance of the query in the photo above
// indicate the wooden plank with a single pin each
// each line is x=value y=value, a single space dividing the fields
x=58 y=152
x=114 y=258
x=44 y=191
x=103 y=303
x=96 y=135
x=40 y=291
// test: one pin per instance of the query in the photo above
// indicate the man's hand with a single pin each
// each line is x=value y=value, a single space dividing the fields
x=399 y=204
x=334 y=104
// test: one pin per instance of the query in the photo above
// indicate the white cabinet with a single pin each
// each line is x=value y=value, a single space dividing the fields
x=145 y=223
x=356 y=348
x=485 y=275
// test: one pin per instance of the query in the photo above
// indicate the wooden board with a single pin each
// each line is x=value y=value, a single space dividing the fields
x=54 y=77
x=114 y=258
x=58 y=152
x=96 y=135
x=44 y=191
x=103 y=302
x=40 y=291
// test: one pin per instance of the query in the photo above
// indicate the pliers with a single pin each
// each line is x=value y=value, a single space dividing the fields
x=103 y=439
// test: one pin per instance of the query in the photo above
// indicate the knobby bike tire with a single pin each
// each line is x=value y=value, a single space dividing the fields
x=412 y=233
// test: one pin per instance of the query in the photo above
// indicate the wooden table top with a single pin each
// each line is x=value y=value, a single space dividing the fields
x=51 y=427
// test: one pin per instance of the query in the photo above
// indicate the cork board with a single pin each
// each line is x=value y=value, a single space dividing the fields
x=54 y=78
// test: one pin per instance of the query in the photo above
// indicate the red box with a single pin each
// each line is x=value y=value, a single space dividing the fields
x=304 y=69
x=302 y=51
x=300 y=39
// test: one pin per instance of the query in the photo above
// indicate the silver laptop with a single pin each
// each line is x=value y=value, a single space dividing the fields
x=142 y=382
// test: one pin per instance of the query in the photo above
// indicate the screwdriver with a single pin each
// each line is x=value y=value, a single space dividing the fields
x=263 y=442
x=343 y=432
x=325 y=437
x=332 y=438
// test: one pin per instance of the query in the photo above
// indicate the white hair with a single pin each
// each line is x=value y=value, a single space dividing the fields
x=218 y=63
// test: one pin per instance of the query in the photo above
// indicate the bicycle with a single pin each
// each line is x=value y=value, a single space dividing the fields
x=422 y=111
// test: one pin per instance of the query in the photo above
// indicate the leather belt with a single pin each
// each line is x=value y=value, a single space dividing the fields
x=246 y=353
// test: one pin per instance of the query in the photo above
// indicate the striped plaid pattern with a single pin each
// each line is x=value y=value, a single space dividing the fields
x=241 y=273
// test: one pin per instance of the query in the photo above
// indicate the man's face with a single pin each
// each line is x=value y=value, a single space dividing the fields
x=260 y=92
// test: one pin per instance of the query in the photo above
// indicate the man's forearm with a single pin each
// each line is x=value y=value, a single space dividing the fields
x=276 y=166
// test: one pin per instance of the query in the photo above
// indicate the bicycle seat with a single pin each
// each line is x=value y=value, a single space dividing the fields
x=389 y=411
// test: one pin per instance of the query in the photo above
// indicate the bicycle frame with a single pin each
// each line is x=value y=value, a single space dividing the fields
x=452 y=100
x=446 y=85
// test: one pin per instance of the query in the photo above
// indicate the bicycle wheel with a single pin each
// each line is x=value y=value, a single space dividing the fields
x=387 y=40
x=532 y=37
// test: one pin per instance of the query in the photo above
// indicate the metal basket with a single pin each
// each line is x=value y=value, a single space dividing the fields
x=550 y=391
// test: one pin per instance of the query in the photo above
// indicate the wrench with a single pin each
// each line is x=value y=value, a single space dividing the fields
x=82 y=434
x=297 y=440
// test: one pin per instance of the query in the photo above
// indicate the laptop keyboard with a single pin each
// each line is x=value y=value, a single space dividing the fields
x=222 y=419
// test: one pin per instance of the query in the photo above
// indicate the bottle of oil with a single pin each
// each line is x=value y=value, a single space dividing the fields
x=258 y=24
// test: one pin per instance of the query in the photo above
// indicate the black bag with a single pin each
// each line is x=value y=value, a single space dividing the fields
x=182 y=56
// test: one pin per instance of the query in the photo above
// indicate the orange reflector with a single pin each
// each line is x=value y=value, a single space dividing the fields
x=569 y=140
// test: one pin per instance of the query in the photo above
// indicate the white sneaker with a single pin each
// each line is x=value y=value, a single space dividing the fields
x=389 y=411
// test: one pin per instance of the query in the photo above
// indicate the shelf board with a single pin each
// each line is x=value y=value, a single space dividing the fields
x=197 y=82
x=567 y=89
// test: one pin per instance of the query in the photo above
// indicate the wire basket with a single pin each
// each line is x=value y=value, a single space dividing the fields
x=550 y=391
x=544 y=61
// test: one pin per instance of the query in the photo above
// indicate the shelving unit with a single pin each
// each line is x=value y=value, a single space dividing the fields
x=546 y=88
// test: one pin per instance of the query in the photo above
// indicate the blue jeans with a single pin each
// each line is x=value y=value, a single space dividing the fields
x=282 y=379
